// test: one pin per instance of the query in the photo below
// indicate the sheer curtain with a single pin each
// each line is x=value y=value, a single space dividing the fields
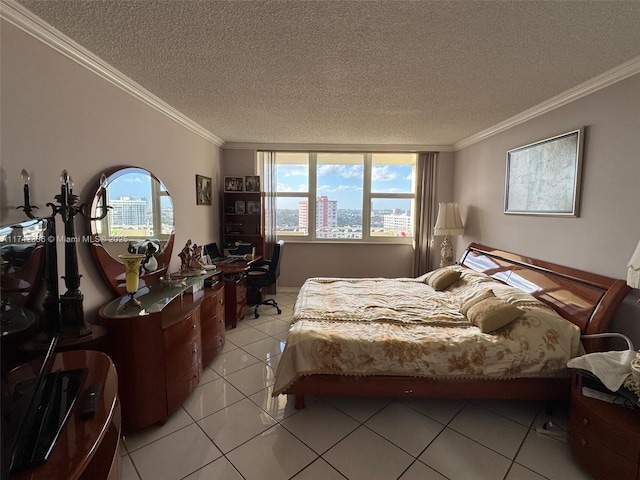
x=269 y=186
x=425 y=216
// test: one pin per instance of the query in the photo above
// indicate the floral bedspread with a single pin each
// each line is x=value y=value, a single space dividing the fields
x=404 y=327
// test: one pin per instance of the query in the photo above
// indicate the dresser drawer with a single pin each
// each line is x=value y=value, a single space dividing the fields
x=597 y=419
x=597 y=458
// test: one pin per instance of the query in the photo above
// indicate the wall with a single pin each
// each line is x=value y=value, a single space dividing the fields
x=58 y=115
x=604 y=236
x=303 y=260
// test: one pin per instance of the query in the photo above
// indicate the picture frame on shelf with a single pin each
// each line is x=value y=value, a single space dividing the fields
x=230 y=209
x=233 y=184
x=203 y=190
x=252 y=183
x=543 y=178
x=240 y=206
x=253 y=207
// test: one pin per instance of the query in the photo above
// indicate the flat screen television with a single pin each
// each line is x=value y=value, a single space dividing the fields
x=35 y=409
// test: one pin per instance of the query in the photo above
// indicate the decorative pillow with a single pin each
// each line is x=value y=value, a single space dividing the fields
x=442 y=278
x=467 y=304
x=492 y=313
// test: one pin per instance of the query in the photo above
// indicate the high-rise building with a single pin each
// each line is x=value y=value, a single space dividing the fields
x=128 y=211
x=398 y=224
x=326 y=214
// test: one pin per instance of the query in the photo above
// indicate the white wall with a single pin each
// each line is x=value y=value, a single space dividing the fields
x=58 y=115
x=604 y=236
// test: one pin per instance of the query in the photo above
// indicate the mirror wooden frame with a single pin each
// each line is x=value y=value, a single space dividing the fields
x=111 y=269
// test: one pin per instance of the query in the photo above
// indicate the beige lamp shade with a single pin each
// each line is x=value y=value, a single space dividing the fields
x=448 y=221
x=633 y=272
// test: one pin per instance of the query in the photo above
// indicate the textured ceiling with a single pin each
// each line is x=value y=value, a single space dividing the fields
x=351 y=72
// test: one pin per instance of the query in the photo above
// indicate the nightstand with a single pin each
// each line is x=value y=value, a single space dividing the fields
x=604 y=438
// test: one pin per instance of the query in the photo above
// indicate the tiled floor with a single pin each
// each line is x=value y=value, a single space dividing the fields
x=231 y=428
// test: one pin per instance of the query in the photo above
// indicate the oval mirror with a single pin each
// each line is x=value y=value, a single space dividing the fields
x=140 y=220
x=21 y=260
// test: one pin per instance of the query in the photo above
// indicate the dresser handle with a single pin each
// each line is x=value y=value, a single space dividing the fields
x=585 y=421
x=583 y=442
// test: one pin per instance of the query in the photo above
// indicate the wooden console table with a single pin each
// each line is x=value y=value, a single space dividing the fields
x=159 y=351
x=88 y=446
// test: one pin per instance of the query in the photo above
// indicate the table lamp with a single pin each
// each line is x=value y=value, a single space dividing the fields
x=448 y=223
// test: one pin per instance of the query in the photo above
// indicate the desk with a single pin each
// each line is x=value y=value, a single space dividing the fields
x=88 y=446
x=235 y=288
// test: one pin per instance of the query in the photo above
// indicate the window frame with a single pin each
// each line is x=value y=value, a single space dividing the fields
x=367 y=198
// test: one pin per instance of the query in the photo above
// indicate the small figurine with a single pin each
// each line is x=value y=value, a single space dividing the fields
x=149 y=263
x=191 y=261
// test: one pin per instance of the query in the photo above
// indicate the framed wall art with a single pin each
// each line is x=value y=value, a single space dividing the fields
x=253 y=207
x=203 y=190
x=543 y=178
x=252 y=183
x=233 y=184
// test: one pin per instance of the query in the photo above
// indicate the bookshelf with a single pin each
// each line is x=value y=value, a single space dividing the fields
x=243 y=220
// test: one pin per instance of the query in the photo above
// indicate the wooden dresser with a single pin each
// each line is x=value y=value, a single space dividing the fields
x=159 y=352
x=604 y=438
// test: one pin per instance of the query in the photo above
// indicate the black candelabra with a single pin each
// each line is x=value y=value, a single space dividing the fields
x=64 y=313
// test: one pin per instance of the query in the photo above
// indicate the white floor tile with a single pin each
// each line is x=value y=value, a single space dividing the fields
x=244 y=336
x=521 y=411
x=365 y=455
x=253 y=378
x=405 y=427
x=549 y=457
x=128 y=470
x=178 y=420
x=236 y=424
x=460 y=458
x=208 y=375
x=359 y=408
x=232 y=361
x=218 y=469
x=518 y=472
x=490 y=429
x=278 y=407
x=320 y=426
x=175 y=456
x=211 y=397
x=419 y=471
x=265 y=349
x=273 y=455
x=273 y=327
x=440 y=409
x=319 y=470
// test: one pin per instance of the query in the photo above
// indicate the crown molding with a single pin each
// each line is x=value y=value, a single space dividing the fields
x=326 y=147
x=37 y=28
x=616 y=74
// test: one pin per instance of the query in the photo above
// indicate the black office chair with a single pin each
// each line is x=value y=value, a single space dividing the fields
x=262 y=274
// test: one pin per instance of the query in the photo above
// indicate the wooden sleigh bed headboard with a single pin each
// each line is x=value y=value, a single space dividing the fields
x=585 y=299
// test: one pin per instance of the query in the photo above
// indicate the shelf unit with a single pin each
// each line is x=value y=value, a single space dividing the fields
x=243 y=219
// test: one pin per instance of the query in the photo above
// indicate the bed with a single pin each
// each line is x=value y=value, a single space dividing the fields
x=404 y=338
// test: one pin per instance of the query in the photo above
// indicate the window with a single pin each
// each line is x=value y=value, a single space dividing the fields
x=345 y=196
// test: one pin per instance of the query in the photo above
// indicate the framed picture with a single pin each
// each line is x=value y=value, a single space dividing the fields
x=543 y=178
x=230 y=209
x=253 y=207
x=239 y=206
x=203 y=190
x=252 y=183
x=233 y=184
